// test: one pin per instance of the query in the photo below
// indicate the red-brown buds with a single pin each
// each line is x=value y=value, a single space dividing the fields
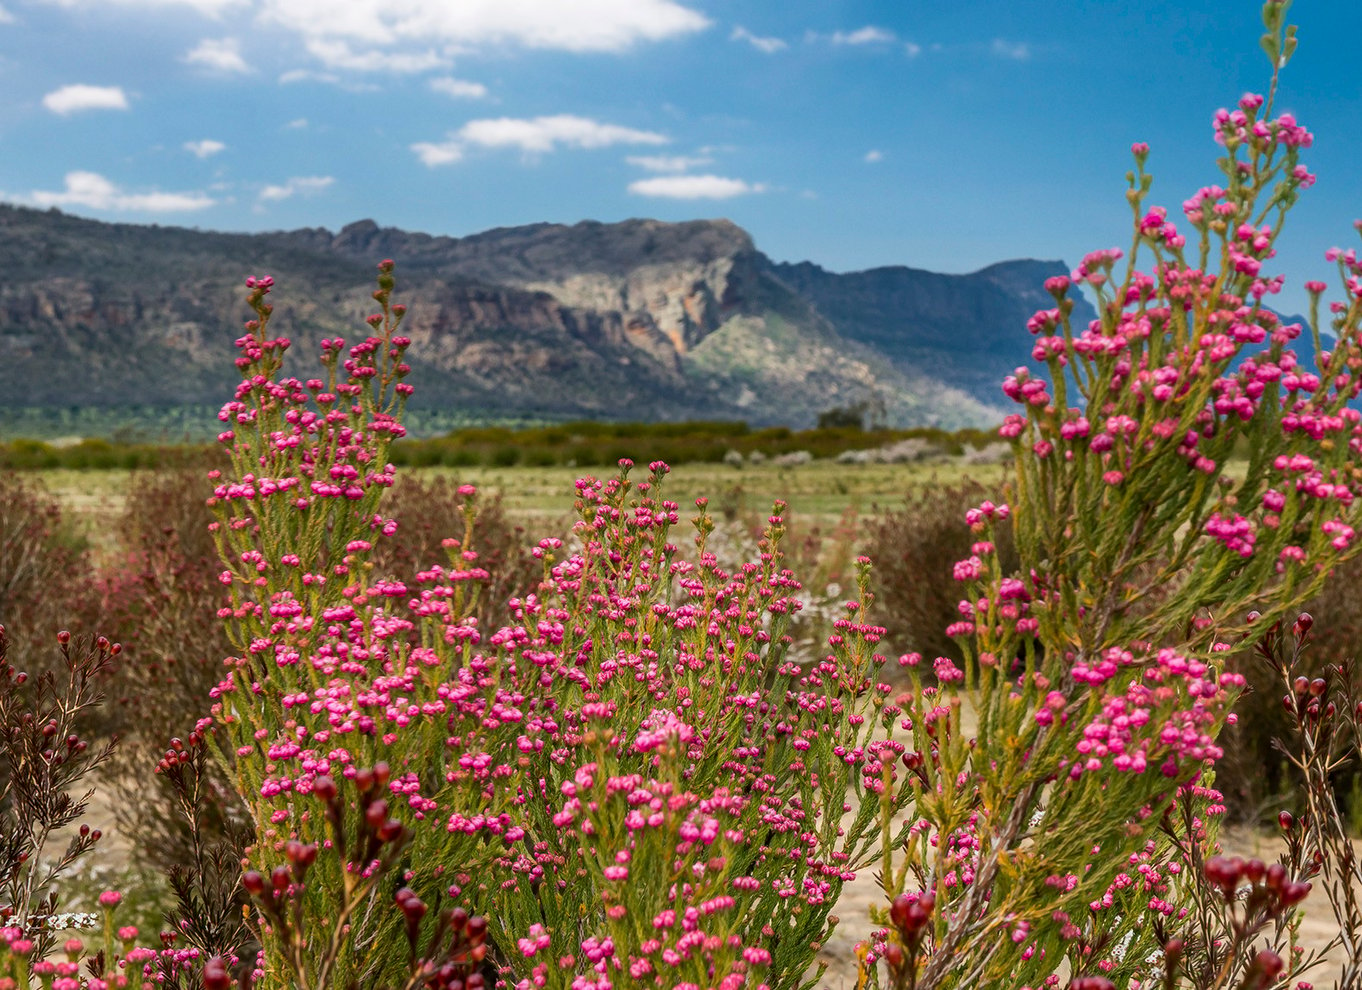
x=910 y=914
x=325 y=788
x=216 y=975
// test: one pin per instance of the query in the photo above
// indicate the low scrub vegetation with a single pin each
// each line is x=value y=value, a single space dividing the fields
x=616 y=755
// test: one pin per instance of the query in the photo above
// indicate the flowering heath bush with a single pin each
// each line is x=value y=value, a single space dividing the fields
x=1078 y=701
x=632 y=780
x=630 y=774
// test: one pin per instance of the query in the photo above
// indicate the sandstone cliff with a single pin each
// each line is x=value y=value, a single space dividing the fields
x=640 y=319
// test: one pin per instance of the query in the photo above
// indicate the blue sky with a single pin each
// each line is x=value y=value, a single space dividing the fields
x=853 y=134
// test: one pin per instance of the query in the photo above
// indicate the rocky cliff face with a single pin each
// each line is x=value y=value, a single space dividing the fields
x=965 y=329
x=640 y=319
x=669 y=285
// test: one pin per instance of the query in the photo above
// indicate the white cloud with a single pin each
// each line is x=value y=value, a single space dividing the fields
x=537 y=135
x=1018 y=51
x=209 y=8
x=220 y=55
x=70 y=99
x=296 y=125
x=307 y=185
x=304 y=75
x=761 y=44
x=868 y=35
x=694 y=187
x=912 y=49
x=205 y=148
x=337 y=54
x=544 y=134
x=347 y=83
x=669 y=163
x=579 y=26
x=92 y=190
x=5 y=16
x=433 y=154
x=460 y=89
x=874 y=155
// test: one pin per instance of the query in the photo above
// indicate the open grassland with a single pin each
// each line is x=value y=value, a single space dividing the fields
x=818 y=492
x=823 y=489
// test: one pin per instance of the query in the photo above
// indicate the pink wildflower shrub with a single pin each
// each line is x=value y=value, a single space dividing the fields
x=1091 y=707
x=635 y=780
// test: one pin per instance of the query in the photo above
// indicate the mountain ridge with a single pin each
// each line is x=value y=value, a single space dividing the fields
x=640 y=319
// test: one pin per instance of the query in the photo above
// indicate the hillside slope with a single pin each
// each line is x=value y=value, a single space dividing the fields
x=640 y=319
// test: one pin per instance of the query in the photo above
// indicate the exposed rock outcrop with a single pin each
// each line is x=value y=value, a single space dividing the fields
x=640 y=319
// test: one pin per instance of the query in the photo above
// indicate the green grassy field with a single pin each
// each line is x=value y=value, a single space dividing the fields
x=817 y=492
x=820 y=488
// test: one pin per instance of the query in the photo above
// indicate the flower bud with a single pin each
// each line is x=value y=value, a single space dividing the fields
x=1275 y=876
x=325 y=788
x=1172 y=951
x=1268 y=963
x=1293 y=892
x=216 y=975
x=376 y=813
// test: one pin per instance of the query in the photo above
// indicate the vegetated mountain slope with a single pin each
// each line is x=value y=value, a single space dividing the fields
x=641 y=319
x=969 y=330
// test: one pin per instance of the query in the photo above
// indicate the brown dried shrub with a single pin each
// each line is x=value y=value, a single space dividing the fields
x=914 y=549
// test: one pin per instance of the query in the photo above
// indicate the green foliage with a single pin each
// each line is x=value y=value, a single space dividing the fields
x=578 y=444
x=915 y=546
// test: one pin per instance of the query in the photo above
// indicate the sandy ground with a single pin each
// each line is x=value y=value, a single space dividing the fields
x=1316 y=931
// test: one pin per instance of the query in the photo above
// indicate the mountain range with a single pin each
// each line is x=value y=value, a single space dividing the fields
x=640 y=320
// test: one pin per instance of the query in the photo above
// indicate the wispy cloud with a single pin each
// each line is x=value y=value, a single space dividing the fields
x=209 y=8
x=874 y=155
x=912 y=49
x=669 y=163
x=348 y=83
x=205 y=148
x=72 y=99
x=533 y=136
x=296 y=124
x=600 y=26
x=5 y=16
x=544 y=134
x=694 y=187
x=460 y=89
x=768 y=45
x=218 y=54
x=337 y=54
x=868 y=35
x=92 y=190
x=436 y=153
x=1018 y=51
x=307 y=75
x=303 y=185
